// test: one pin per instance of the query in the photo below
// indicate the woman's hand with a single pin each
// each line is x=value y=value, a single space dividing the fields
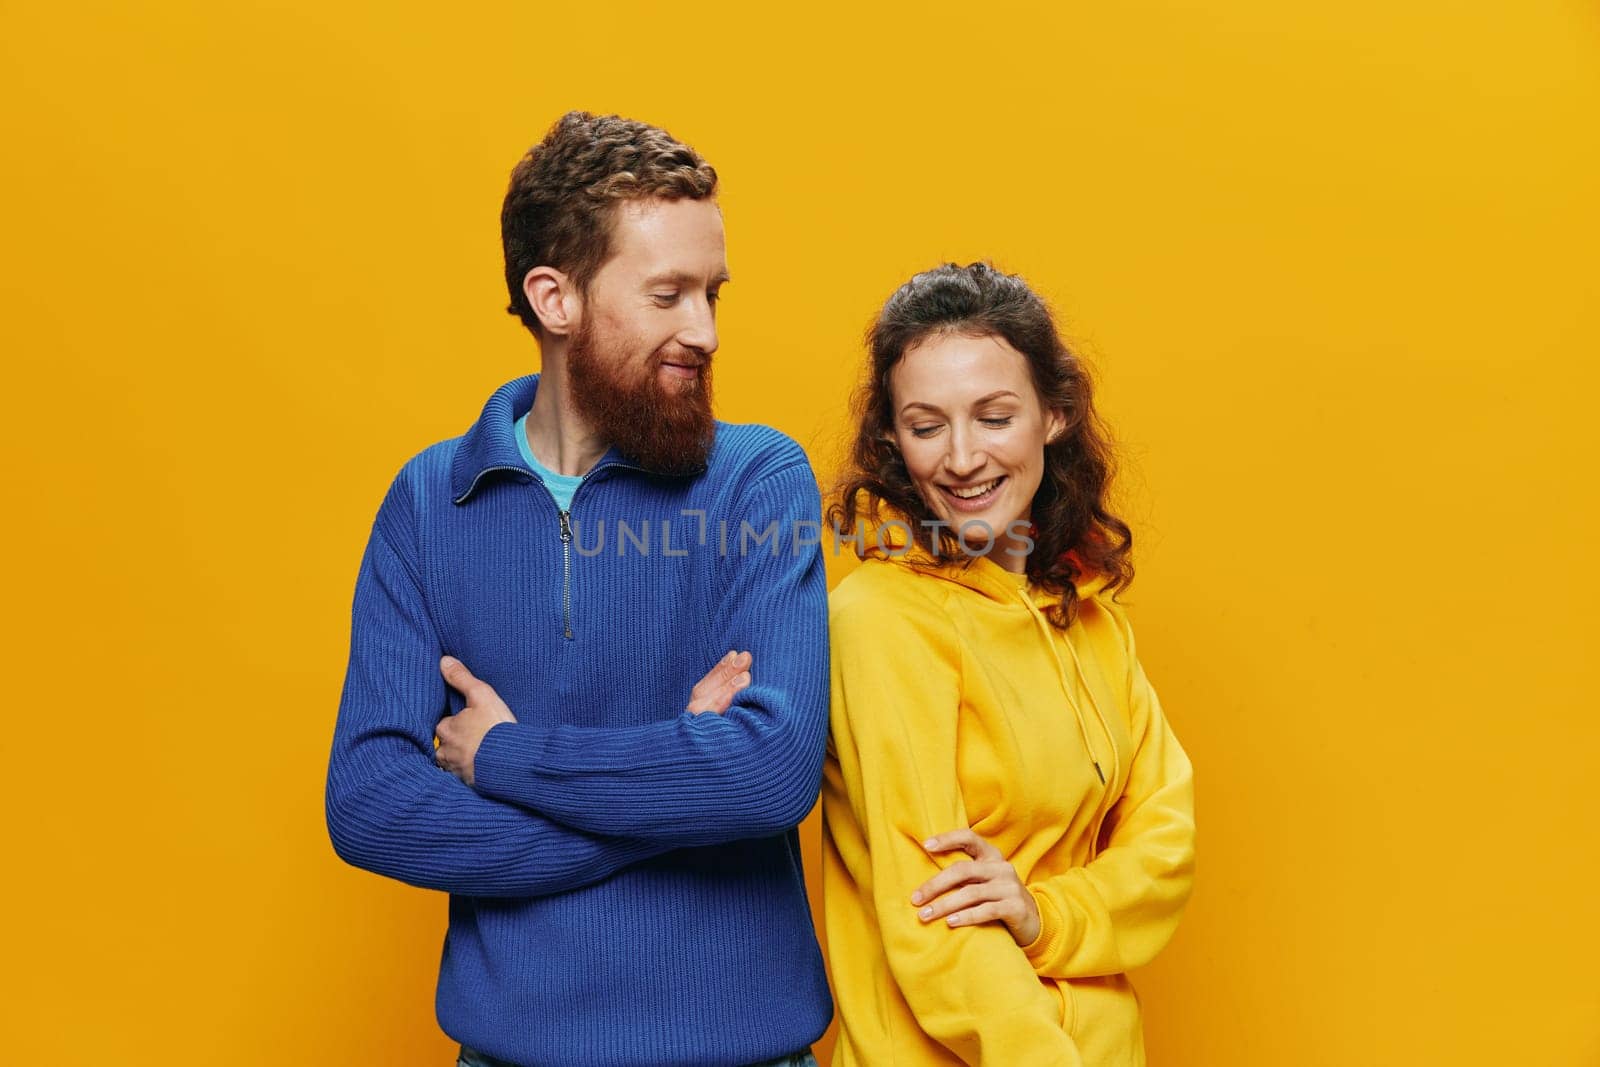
x=984 y=889
x=715 y=691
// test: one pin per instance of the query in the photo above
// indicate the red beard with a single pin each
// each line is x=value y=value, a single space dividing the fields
x=665 y=429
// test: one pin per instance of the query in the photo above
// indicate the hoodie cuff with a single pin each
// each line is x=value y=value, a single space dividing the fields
x=1057 y=934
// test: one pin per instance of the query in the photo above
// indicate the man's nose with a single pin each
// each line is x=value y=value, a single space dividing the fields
x=700 y=332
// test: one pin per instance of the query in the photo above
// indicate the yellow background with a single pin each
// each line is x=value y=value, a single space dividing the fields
x=1336 y=265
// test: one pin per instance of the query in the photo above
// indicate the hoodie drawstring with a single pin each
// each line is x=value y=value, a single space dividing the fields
x=1048 y=633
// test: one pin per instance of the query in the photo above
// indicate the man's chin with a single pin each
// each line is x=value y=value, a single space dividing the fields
x=661 y=421
x=674 y=438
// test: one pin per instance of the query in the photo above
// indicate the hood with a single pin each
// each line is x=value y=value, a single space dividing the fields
x=979 y=573
x=986 y=577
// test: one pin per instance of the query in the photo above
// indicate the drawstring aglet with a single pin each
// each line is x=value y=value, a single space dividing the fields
x=1098 y=771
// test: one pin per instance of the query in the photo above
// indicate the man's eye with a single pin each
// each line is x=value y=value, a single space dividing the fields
x=664 y=299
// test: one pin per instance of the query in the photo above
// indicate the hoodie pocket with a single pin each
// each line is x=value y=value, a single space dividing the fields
x=1069 y=1005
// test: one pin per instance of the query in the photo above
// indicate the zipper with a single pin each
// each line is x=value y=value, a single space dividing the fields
x=566 y=538
x=566 y=524
x=566 y=535
x=566 y=573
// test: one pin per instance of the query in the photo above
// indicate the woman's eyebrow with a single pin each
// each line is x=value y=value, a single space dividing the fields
x=996 y=395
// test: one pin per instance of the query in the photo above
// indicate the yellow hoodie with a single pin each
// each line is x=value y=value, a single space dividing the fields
x=956 y=703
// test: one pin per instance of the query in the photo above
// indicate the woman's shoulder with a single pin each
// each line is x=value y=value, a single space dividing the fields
x=882 y=595
x=883 y=585
x=1103 y=625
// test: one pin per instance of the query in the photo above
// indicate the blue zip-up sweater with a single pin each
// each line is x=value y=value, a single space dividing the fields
x=625 y=878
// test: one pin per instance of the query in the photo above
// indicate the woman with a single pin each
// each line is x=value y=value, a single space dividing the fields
x=1008 y=818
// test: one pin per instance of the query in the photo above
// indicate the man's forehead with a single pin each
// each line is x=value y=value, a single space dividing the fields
x=677 y=237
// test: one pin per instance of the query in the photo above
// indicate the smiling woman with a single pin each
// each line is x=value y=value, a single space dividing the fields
x=976 y=461
x=969 y=383
x=988 y=707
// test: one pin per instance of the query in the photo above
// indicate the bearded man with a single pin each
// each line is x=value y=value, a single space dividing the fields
x=628 y=732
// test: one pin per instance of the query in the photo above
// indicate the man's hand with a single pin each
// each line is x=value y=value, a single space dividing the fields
x=460 y=734
x=715 y=691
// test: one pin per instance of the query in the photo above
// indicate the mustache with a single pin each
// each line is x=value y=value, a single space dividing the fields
x=684 y=359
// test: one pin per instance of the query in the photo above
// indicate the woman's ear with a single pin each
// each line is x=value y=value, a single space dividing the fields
x=554 y=300
x=1055 y=424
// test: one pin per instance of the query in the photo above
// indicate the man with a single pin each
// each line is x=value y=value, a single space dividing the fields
x=542 y=595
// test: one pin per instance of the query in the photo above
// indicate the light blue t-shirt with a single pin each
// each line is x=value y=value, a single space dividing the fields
x=561 y=486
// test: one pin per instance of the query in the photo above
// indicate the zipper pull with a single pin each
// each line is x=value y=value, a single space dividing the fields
x=566 y=528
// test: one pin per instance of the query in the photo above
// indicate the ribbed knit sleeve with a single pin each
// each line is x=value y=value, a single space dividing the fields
x=1121 y=909
x=390 y=808
x=897 y=670
x=704 y=779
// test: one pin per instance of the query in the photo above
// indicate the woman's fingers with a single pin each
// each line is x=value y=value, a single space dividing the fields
x=958 y=900
x=959 y=874
x=984 y=889
x=965 y=840
x=993 y=911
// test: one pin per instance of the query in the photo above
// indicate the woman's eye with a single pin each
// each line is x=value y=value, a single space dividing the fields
x=924 y=431
x=997 y=421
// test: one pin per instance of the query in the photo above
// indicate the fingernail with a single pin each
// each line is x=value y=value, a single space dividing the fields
x=929 y=843
x=926 y=913
x=916 y=898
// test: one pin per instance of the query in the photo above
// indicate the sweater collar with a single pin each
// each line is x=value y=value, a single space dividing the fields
x=490 y=446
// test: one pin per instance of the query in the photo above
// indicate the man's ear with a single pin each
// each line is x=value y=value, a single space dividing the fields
x=554 y=300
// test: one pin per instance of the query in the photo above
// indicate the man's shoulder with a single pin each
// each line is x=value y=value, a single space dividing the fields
x=750 y=448
x=423 y=481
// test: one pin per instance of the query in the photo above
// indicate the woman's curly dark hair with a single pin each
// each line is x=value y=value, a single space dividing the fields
x=1076 y=534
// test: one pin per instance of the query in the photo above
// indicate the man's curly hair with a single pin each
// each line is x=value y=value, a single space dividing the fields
x=559 y=208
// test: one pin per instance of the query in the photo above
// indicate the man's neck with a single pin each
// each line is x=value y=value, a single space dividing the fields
x=560 y=438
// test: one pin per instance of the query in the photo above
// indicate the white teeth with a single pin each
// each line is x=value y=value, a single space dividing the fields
x=975 y=491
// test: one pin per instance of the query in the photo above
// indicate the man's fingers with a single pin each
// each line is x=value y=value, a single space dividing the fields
x=728 y=668
x=713 y=680
x=715 y=691
x=459 y=678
